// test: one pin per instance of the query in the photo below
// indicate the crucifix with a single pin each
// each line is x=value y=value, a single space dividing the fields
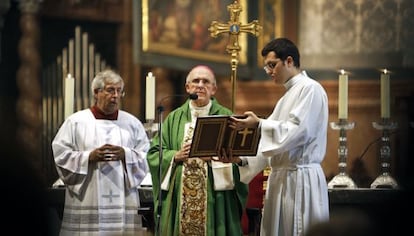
x=234 y=27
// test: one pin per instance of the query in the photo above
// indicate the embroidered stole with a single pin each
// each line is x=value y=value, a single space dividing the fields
x=193 y=208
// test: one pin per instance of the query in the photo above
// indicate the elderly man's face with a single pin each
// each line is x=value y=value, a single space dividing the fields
x=203 y=84
x=109 y=97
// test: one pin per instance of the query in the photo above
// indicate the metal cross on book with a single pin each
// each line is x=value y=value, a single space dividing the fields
x=234 y=27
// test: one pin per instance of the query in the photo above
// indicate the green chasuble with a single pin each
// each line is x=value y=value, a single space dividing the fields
x=224 y=208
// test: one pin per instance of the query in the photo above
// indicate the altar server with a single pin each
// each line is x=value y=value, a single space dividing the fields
x=100 y=154
x=293 y=144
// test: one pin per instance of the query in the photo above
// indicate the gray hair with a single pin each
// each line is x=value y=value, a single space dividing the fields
x=105 y=77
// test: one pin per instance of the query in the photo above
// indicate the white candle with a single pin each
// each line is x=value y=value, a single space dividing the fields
x=385 y=94
x=69 y=91
x=150 y=97
x=343 y=96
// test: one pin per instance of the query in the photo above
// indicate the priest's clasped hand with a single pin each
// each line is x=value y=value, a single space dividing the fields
x=107 y=152
x=184 y=153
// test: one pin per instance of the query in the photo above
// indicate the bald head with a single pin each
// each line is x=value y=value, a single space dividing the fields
x=199 y=72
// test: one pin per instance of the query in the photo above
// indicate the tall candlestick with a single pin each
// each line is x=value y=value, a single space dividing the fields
x=385 y=94
x=343 y=96
x=69 y=92
x=150 y=97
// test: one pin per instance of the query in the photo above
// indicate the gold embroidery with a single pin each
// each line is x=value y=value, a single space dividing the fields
x=189 y=135
x=193 y=208
x=194 y=198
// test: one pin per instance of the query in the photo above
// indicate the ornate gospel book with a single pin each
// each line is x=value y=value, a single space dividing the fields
x=212 y=133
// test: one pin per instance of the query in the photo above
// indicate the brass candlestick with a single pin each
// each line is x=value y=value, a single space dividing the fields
x=342 y=180
x=385 y=180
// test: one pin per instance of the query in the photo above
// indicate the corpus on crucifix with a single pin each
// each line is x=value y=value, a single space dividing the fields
x=234 y=27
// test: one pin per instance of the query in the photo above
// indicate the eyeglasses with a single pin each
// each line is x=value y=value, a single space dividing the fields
x=270 y=66
x=113 y=91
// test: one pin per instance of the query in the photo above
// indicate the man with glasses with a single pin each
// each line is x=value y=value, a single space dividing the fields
x=293 y=144
x=100 y=155
x=200 y=196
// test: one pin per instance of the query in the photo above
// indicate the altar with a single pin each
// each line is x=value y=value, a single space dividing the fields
x=379 y=204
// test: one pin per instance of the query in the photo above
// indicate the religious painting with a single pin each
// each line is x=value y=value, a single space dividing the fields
x=271 y=17
x=180 y=28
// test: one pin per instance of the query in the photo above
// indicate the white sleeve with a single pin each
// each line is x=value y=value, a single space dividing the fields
x=223 y=175
x=136 y=156
x=165 y=182
x=71 y=163
x=254 y=166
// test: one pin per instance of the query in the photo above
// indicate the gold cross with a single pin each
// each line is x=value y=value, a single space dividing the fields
x=244 y=132
x=234 y=28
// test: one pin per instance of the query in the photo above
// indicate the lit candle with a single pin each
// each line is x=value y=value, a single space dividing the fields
x=150 y=97
x=343 y=96
x=69 y=91
x=385 y=94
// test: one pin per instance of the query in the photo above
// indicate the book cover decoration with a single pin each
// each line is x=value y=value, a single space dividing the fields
x=212 y=133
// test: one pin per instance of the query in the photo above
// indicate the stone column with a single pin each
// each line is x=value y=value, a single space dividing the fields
x=28 y=106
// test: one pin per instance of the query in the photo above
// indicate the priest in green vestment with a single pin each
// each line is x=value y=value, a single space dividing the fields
x=199 y=196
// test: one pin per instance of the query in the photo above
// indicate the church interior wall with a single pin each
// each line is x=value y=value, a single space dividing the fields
x=331 y=35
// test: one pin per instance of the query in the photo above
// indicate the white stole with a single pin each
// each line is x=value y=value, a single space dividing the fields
x=110 y=188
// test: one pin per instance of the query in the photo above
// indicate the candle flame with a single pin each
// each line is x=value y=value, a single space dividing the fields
x=149 y=74
x=385 y=71
x=342 y=71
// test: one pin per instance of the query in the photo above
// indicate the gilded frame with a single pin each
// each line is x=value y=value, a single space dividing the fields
x=271 y=17
x=157 y=15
